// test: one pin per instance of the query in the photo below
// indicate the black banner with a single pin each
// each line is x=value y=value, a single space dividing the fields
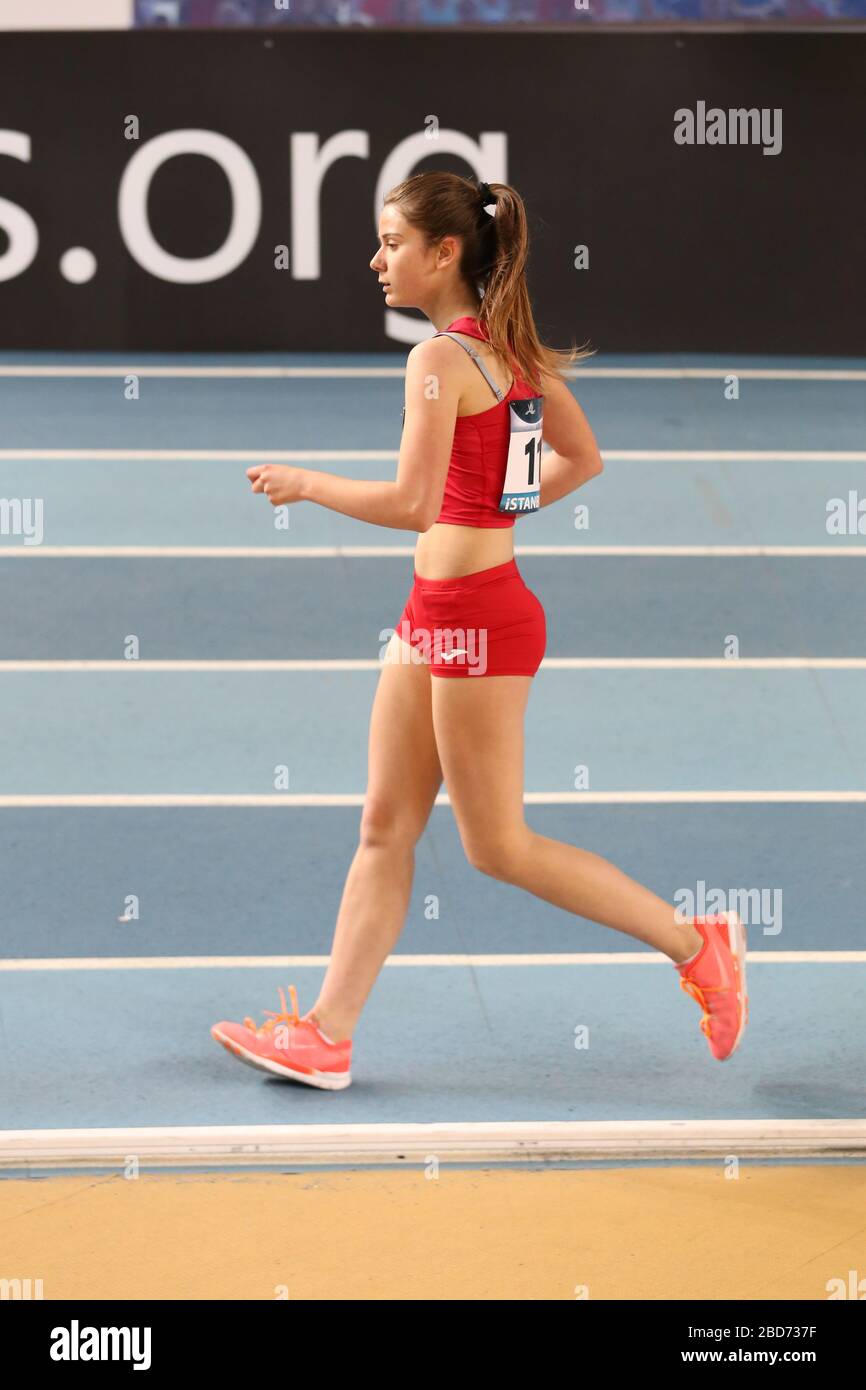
x=220 y=190
x=224 y=1338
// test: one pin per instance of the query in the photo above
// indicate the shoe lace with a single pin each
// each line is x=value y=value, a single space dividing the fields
x=274 y=1018
x=699 y=993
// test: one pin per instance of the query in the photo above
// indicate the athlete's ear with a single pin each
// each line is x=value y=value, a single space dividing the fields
x=448 y=251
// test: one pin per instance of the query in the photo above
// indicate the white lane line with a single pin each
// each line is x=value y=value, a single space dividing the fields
x=330 y=552
x=363 y=455
x=277 y=372
x=24 y=800
x=412 y=1144
x=552 y=663
x=298 y=962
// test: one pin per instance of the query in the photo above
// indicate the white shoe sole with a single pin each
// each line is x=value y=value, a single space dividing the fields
x=325 y=1081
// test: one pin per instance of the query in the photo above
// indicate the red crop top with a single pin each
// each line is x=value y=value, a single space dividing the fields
x=476 y=472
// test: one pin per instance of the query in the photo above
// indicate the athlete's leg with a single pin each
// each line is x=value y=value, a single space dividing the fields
x=402 y=781
x=478 y=724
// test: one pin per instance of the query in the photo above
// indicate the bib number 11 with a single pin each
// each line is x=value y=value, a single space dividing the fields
x=521 y=491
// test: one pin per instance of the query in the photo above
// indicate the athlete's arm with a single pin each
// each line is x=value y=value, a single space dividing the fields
x=432 y=398
x=576 y=457
x=380 y=503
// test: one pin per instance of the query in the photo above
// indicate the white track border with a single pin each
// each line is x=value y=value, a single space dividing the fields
x=252 y=1146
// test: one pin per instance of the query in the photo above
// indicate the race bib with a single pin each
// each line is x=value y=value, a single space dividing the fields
x=521 y=491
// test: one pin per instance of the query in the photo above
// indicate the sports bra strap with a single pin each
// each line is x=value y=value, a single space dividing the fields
x=500 y=395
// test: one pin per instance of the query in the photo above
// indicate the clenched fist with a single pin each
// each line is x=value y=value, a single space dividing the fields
x=279 y=482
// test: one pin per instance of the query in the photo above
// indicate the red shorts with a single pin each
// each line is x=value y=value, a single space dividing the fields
x=483 y=624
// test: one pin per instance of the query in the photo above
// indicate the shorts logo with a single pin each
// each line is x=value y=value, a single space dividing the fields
x=460 y=651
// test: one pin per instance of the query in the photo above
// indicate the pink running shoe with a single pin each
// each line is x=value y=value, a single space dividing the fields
x=290 y=1047
x=716 y=978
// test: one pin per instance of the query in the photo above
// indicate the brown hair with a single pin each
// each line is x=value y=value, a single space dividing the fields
x=495 y=251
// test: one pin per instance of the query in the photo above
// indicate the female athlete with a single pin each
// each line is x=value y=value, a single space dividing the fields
x=479 y=396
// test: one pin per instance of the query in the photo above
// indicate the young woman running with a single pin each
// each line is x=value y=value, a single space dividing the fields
x=451 y=697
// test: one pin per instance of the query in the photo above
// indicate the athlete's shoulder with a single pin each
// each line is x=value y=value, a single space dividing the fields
x=430 y=373
x=431 y=358
x=433 y=349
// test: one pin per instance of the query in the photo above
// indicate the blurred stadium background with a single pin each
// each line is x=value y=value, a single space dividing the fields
x=494 y=12
x=33 y=14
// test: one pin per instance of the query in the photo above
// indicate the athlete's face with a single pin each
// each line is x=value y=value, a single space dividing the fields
x=404 y=263
x=393 y=260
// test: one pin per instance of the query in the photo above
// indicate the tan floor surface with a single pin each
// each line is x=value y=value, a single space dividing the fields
x=632 y=1233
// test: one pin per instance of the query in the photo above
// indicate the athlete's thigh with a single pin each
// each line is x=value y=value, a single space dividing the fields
x=403 y=772
x=478 y=723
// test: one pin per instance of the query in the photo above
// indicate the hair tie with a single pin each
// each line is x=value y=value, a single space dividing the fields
x=485 y=194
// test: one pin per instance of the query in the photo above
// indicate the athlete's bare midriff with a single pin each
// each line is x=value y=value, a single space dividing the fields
x=447 y=551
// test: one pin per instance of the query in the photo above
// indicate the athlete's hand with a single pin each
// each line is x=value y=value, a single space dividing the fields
x=278 y=482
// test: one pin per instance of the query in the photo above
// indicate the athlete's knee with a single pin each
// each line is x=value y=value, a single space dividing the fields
x=498 y=856
x=385 y=825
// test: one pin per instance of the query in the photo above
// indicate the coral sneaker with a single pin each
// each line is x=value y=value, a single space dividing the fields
x=290 y=1047
x=715 y=977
